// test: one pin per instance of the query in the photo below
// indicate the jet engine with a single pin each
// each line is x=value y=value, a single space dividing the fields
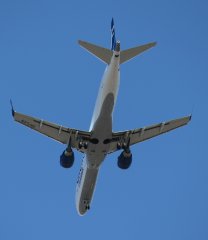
x=125 y=159
x=67 y=158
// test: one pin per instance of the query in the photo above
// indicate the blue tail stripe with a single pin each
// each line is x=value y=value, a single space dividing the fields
x=113 y=36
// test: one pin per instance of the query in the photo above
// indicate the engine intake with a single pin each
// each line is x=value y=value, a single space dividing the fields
x=67 y=158
x=125 y=159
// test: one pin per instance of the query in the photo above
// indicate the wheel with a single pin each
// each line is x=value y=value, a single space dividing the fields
x=87 y=207
x=85 y=145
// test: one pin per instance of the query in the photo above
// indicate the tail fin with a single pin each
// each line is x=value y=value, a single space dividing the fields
x=128 y=54
x=113 y=36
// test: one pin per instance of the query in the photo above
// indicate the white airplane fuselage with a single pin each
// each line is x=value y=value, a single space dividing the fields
x=100 y=140
x=101 y=128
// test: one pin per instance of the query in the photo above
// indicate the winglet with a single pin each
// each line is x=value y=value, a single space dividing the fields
x=13 y=112
x=190 y=117
x=192 y=111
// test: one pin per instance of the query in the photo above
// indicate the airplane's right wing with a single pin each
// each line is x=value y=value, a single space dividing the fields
x=132 y=137
x=54 y=131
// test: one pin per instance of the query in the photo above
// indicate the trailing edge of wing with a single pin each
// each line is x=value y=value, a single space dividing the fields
x=54 y=131
x=142 y=134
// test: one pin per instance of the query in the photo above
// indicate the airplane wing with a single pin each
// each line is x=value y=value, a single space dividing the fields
x=54 y=131
x=141 y=134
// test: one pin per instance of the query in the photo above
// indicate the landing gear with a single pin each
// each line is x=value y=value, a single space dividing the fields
x=87 y=205
x=82 y=145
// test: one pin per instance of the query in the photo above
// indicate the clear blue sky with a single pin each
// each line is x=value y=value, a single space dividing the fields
x=164 y=194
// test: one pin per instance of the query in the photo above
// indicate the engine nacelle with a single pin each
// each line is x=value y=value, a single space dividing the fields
x=125 y=160
x=67 y=159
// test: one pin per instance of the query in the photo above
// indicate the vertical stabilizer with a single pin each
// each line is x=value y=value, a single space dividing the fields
x=113 y=36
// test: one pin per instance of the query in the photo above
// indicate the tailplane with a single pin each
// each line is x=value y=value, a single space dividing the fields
x=105 y=54
x=130 y=53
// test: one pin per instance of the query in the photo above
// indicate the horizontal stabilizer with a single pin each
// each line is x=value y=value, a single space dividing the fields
x=103 y=54
x=128 y=54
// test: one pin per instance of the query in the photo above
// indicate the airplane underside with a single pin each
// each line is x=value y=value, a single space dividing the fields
x=100 y=140
x=87 y=184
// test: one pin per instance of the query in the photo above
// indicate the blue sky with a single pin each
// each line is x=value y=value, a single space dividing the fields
x=164 y=194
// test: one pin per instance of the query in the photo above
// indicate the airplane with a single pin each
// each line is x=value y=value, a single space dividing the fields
x=100 y=140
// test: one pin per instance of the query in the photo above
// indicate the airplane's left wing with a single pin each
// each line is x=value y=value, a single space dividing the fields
x=134 y=136
x=54 y=131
